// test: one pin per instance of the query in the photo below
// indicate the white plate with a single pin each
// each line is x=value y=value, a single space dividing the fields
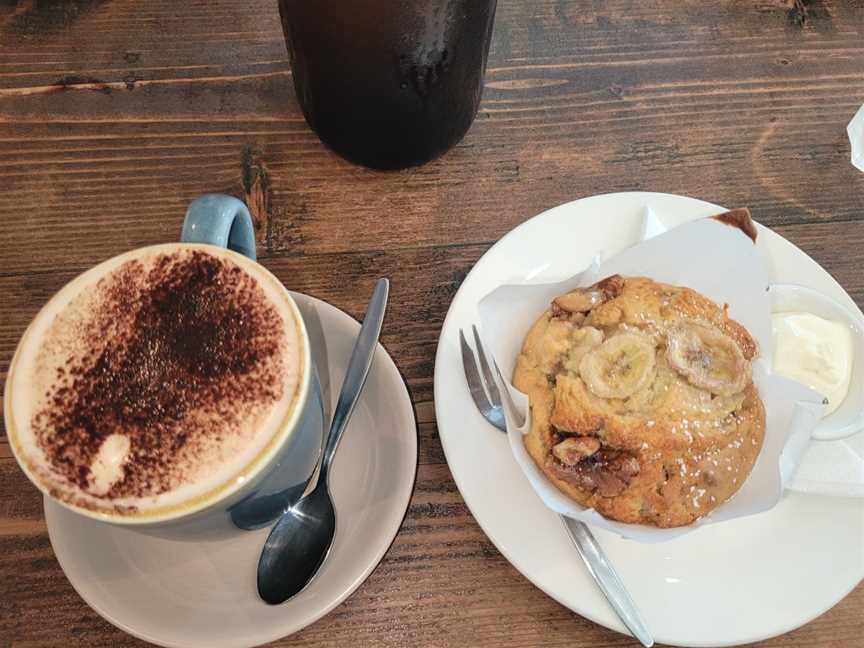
x=197 y=594
x=726 y=584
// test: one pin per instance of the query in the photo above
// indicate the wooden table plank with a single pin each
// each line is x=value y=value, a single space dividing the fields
x=114 y=114
x=578 y=101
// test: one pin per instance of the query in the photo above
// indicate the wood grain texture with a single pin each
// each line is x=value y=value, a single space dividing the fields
x=114 y=114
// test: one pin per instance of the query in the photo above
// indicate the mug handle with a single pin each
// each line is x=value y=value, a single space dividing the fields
x=220 y=220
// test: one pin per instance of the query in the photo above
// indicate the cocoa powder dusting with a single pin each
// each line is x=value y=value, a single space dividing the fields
x=174 y=357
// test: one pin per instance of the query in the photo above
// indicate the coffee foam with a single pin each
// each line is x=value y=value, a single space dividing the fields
x=155 y=381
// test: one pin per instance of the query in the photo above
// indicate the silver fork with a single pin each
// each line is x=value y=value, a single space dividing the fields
x=487 y=397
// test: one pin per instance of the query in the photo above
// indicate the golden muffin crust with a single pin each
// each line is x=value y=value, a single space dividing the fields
x=643 y=405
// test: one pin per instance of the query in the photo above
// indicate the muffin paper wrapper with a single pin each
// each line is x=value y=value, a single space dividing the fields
x=722 y=263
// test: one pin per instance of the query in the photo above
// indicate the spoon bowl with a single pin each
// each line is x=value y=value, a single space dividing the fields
x=297 y=546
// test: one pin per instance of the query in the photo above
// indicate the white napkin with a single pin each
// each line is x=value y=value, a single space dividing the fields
x=829 y=468
x=855 y=130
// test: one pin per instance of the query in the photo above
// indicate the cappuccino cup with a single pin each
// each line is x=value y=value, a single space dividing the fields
x=171 y=387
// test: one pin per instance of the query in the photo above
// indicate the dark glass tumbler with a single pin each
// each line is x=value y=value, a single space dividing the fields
x=388 y=83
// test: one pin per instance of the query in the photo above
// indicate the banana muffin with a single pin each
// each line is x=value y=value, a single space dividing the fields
x=643 y=405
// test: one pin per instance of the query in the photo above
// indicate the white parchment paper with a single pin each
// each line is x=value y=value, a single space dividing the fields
x=720 y=262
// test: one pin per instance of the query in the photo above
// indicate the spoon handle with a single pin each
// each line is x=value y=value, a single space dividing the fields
x=358 y=369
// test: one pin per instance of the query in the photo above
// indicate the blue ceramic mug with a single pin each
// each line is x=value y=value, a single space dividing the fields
x=278 y=475
x=224 y=221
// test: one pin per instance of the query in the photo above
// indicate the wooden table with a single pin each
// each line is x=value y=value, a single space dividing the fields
x=114 y=114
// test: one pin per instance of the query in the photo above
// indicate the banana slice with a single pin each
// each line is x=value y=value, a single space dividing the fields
x=619 y=367
x=707 y=358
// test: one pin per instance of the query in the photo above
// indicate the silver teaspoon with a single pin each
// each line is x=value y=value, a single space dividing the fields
x=299 y=542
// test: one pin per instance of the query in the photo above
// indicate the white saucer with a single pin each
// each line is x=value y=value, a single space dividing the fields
x=726 y=584
x=194 y=594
